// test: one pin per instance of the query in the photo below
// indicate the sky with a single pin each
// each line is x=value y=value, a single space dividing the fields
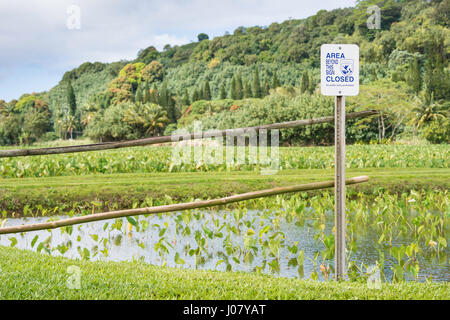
x=41 y=40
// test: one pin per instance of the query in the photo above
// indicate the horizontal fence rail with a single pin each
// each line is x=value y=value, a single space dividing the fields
x=176 y=207
x=164 y=139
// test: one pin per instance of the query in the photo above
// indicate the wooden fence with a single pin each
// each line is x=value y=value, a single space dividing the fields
x=180 y=206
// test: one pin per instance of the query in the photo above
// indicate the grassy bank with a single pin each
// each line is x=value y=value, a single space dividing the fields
x=122 y=190
x=29 y=275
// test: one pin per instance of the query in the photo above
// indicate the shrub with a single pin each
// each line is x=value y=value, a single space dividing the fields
x=438 y=131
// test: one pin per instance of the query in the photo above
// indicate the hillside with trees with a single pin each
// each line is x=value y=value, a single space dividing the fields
x=257 y=75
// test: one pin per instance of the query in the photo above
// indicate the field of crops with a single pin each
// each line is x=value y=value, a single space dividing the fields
x=402 y=234
x=159 y=159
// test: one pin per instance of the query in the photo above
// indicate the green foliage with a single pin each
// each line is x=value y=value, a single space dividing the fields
x=25 y=103
x=207 y=91
x=35 y=125
x=24 y=121
x=410 y=48
x=147 y=55
x=108 y=125
x=170 y=129
x=10 y=129
x=179 y=283
x=414 y=78
x=202 y=36
x=71 y=100
x=239 y=87
x=86 y=67
x=304 y=83
x=149 y=118
x=223 y=93
x=201 y=108
x=152 y=72
x=126 y=121
x=160 y=160
x=257 y=92
x=427 y=110
x=438 y=131
x=275 y=81
x=138 y=98
x=49 y=136
x=88 y=83
x=286 y=105
x=408 y=228
x=394 y=103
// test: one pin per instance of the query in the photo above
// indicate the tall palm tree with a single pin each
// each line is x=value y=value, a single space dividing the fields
x=427 y=110
x=68 y=122
x=89 y=112
x=151 y=117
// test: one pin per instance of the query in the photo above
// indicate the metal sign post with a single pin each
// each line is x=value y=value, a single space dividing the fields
x=339 y=78
x=339 y=189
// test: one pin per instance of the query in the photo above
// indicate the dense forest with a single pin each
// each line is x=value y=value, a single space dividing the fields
x=257 y=75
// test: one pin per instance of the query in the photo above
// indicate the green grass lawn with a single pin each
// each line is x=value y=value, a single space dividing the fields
x=29 y=275
x=124 y=189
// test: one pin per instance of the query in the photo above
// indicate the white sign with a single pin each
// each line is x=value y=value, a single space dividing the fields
x=339 y=69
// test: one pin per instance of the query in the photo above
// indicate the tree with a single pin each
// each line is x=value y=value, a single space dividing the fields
x=427 y=111
x=223 y=93
x=312 y=85
x=35 y=124
x=207 y=91
x=153 y=95
x=152 y=72
x=438 y=131
x=149 y=117
x=414 y=77
x=257 y=93
x=437 y=80
x=266 y=88
x=239 y=87
x=186 y=101
x=248 y=93
x=164 y=95
x=393 y=102
x=146 y=93
x=10 y=128
x=148 y=55
x=233 y=90
x=195 y=96
x=304 y=82
x=275 y=82
x=138 y=95
x=88 y=116
x=201 y=93
x=171 y=110
x=202 y=36
x=71 y=100
x=69 y=124
x=109 y=125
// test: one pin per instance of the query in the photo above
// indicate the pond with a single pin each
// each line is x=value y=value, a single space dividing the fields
x=279 y=242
